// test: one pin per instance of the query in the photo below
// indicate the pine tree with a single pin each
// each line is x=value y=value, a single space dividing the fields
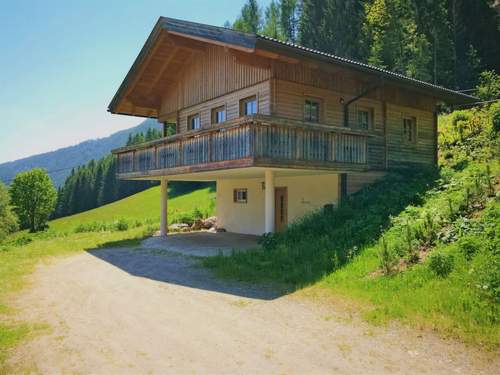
x=272 y=21
x=289 y=19
x=311 y=18
x=250 y=19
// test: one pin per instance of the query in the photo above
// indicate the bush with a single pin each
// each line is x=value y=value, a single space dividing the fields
x=121 y=225
x=388 y=259
x=489 y=85
x=441 y=264
x=485 y=273
x=495 y=116
x=468 y=246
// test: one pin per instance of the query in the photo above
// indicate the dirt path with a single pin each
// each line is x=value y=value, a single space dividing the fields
x=119 y=311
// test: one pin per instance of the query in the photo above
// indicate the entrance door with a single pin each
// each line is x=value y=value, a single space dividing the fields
x=280 y=208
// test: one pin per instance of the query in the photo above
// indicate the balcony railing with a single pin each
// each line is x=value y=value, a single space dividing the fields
x=259 y=139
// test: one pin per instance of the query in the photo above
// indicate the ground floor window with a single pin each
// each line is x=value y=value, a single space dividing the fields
x=240 y=195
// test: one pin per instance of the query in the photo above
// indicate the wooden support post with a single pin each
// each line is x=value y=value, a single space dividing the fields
x=163 y=213
x=269 y=201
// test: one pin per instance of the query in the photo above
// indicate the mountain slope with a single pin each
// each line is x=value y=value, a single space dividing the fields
x=60 y=162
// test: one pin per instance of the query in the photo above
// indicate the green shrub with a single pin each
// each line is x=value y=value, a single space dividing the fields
x=268 y=240
x=460 y=116
x=468 y=246
x=388 y=259
x=198 y=214
x=495 y=116
x=121 y=225
x=489 y=85
x=184 y=218
x=485 y=273
x=441 y=264
x=22 y=240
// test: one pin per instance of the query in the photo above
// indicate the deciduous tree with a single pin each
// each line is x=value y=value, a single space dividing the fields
x=34 y=198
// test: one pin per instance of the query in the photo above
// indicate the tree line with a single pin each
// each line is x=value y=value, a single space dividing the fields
x=95 y=184
x=446 y=42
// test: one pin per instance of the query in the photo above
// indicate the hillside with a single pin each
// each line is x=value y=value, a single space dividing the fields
x=420 y=246
x=139 y=209
x=60 y=162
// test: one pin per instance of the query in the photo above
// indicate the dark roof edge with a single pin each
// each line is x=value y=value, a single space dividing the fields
x=264 y=42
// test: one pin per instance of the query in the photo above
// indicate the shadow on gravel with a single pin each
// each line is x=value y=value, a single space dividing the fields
x=160 y=265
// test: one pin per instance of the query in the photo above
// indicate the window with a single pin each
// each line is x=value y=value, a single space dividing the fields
x=194 y=122
x=364 y=118
x=248 y=106
x=240 y=195
x=409 y=129
x=218 y=115
x=311 y=110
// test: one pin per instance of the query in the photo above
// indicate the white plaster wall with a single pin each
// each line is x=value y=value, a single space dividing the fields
x=305 y=193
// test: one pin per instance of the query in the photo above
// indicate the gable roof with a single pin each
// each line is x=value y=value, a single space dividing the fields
x=250 y=42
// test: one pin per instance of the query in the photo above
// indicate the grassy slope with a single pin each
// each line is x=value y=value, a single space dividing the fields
x=340 y=251
x=22 y=252
x=143 y=207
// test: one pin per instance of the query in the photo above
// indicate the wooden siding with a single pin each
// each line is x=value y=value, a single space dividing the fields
x=220 y=77
x=232 y=104
x=403 y=153
x=211 y=74
x=289 y=103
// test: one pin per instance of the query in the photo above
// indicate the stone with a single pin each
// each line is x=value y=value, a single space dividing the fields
x=210 y=222
x=177 y=227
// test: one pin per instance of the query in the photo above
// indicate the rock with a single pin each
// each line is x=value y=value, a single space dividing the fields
x=197 y=225
x=178 y=227
x=209 y=222
x=219 y=230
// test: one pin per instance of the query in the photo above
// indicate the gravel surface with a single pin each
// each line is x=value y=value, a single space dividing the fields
x=136 y=311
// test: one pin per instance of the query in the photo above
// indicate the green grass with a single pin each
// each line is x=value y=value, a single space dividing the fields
x=20 y=253
x=143 y=207
x=451 y=214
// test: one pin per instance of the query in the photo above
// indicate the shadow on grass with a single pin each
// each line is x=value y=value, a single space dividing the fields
x=327 y=239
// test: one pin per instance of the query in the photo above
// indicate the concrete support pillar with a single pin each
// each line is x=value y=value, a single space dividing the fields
x=269 y=201
x=163 y=213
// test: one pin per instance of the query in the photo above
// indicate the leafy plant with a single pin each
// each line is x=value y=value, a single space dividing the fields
x=441 y=264
x=388 y=260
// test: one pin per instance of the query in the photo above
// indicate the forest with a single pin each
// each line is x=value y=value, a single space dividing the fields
x=95 y=184
x=445 y=42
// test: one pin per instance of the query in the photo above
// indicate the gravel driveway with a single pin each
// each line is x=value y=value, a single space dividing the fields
x=136 y=311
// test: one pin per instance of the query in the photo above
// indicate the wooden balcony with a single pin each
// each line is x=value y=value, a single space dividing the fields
x=255 y=141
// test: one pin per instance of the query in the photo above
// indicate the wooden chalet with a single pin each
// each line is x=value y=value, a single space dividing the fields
x=282 y=129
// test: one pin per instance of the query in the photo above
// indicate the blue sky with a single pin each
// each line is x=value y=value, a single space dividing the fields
x=62 y=62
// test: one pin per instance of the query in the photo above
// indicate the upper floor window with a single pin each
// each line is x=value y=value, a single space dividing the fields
x=364 y=118
x=409 y=129
x=248 y=106
x=218 y=115
x=311 y=110
x=194 y=122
